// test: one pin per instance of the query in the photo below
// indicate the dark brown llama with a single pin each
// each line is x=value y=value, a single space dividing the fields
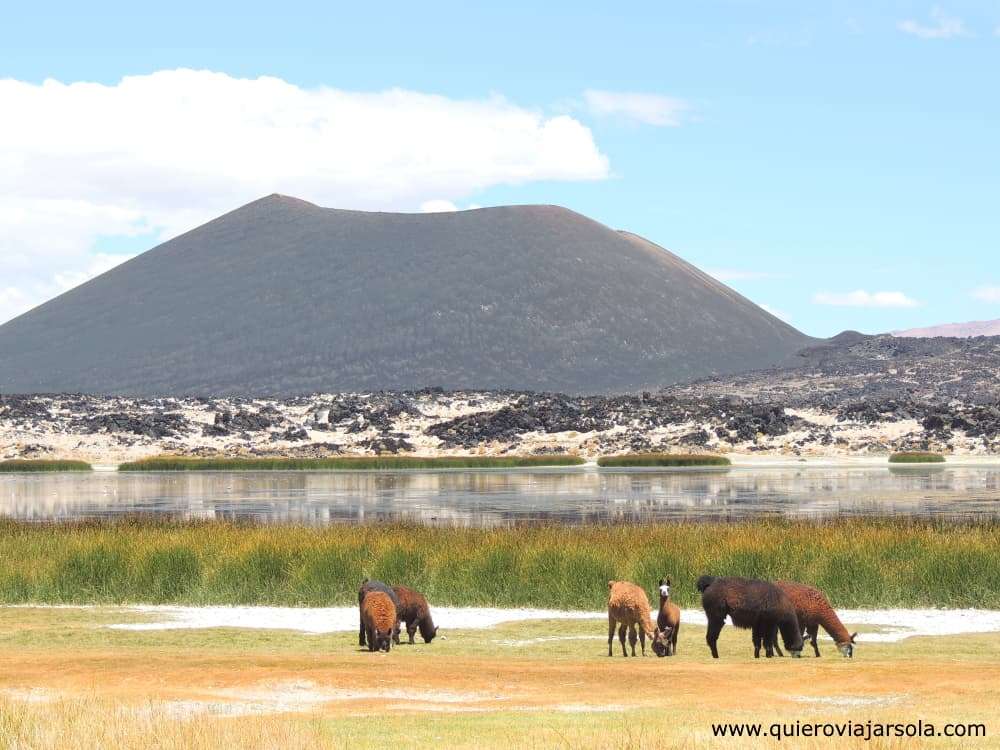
x=759 y=606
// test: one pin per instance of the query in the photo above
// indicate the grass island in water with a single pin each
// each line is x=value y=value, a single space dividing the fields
x=347 y=463
x=20 y=466
x=916 y=457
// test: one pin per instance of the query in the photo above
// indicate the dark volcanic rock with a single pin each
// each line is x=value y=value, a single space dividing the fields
x=148 y=425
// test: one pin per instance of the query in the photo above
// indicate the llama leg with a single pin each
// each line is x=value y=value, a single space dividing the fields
x=371 y=638
x=776 y=647
x=611 y=634
x=770 y=639
x=712 y=636
x=757 y=636
x=411 y=630
x=632 y=637
x=642 y=640
x=621 y=637
x=673 y=640
x=361 y=633
x=813 y=631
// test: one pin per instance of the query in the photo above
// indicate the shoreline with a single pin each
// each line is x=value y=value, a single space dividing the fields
x=743 y=462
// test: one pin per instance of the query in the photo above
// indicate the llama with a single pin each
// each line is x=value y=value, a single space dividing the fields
x=813 y=611
x=628 y=607
x=758 y=605
x=413 y=610
x=378 y=616
x=367 y=587
x=668 y=623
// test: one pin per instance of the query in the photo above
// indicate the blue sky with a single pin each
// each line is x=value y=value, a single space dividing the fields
x=837 y=162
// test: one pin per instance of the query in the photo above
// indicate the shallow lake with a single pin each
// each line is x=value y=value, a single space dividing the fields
x=499 y=497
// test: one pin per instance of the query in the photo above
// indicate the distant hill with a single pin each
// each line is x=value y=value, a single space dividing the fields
x=956 y=330
x=283 y=297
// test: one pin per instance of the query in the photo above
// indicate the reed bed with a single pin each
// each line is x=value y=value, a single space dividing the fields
x=859 y=563
x=347 y=463
x=916 y=457
x=18 y=466
x=662 y=459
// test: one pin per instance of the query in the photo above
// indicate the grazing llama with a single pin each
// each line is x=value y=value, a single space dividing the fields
x=378 y=615
x=813 y=611
x=413 y=610
x=366 y=588
x=757 y=605
x=628 y=607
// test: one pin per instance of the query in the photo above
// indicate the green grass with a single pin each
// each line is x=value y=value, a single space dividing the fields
x=663 y=459
x=347 y=463
x=916 y=457
x=861 y=563
x=30 y=465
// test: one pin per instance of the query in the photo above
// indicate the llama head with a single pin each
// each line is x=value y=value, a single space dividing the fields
x=383 y=639
x=661 y=642
x=847 y=647
x=665 y=587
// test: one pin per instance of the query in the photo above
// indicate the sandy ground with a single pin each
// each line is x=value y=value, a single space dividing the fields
x=530 y=671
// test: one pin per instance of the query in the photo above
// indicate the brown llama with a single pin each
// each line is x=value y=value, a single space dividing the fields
x=628 y=607
x=813 y=611
x=668 y=623
x=757 y=605
x=378 y=615
x=368 y=586
x=414 y=611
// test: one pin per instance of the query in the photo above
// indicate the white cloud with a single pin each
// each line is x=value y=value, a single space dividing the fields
x=437 y=206
x=17 y=300
x=443 y=206
x=649 y=109
x=155 y=155
x=987 y=293
x=861 y=298
x=942 y=26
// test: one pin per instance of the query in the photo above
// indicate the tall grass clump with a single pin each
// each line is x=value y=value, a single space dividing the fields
x=346 y=463
x=18 y=466
x=916 y=457
x=663 y=459
x=857 y=562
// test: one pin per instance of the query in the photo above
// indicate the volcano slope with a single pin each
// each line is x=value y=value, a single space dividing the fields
x=282 y=297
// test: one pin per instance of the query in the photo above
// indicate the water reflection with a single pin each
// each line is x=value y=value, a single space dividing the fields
x=488 y=498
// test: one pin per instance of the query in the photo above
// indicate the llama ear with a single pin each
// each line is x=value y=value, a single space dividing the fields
x=668 y=581
x=660 y=583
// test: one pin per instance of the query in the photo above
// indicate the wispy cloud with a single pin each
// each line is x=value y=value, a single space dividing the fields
x=780 y=314
x=941 y=26
x=987 y=294
x=736 y=274
x=862 y=298
x=648 y=109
